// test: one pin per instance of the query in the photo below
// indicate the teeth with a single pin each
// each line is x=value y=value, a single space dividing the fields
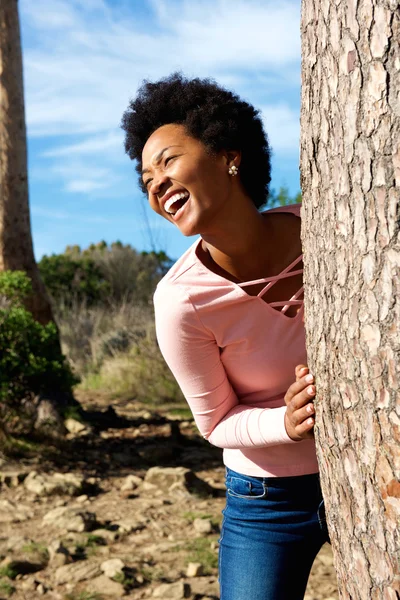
x=174 y=198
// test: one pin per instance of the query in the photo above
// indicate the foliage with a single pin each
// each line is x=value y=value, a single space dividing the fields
x=103 y=273
x=30 y=359
x=6 y=588
x=66 y=275
x=282 y=197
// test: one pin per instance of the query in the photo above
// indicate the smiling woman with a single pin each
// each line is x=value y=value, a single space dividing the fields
x=229 y=319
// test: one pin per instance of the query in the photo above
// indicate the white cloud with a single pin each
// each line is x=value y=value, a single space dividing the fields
x=283 y=126
x=84 y=59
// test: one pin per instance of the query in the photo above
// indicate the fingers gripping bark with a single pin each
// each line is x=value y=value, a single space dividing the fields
x=299 y=417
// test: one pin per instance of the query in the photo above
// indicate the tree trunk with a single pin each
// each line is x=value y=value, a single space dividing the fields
x=350 y=170
x=16 y=248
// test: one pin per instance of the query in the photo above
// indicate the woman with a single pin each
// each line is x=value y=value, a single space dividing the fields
x=229 y=320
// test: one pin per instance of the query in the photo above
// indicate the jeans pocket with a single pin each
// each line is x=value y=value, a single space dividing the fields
x=246 y=488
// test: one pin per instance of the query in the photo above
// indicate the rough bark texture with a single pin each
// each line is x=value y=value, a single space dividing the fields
x=350 y=168
x=16 y=249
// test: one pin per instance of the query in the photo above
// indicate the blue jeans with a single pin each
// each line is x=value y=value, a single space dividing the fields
x=272 y=530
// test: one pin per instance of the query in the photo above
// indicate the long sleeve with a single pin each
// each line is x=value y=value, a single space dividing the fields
x=193 y=356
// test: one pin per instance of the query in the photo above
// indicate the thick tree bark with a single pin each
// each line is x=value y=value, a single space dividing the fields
x=350 y=169
x=16 y=248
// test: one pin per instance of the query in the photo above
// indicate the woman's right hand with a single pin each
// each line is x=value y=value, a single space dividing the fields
x=299 y=416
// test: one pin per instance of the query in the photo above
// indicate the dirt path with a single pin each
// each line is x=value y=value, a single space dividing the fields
x=131 y=511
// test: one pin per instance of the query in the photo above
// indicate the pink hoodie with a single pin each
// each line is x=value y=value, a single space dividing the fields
x=234 y=356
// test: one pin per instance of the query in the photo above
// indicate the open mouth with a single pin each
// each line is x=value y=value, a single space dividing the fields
x=176 y=202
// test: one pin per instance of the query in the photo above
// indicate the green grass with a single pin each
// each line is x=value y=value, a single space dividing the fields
x=183 y=412
x=192 y=515
x=6 y=588
x=124 y=579
x=37 y=548
x=8 y=571
x=199 y=550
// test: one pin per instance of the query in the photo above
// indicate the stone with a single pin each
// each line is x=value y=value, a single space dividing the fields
x=15 y=543
x=12 y=478
x=204 y=586
x=75 y=572
x=129 y=525
x=106 y=534
x=202 y=526
x=58 y=554
x=131 y=483
x=43 y=484
x=112 y=567
x=178 y=480
x=14 y=513
x=74 y=426
x=70 y=519
x=107 y=587
x=172 y=591
x=40 y=589
x=194 y=570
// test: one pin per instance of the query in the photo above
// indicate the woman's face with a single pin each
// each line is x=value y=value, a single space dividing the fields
x=186 y=184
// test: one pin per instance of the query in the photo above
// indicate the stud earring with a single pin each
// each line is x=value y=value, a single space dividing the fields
x=233 y=170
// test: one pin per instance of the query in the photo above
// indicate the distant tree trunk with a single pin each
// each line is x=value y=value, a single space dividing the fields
x=16 y=248
x=350 y=170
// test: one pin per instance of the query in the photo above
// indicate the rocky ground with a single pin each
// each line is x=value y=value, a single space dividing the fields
x=129 y=507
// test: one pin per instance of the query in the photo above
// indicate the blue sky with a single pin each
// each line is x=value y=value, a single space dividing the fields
x=84 y=60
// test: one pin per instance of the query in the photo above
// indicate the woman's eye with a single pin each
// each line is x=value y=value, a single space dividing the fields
x=147 y=183
x=169 y=158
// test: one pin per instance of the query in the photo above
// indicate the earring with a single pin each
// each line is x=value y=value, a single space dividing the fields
x=233 y=170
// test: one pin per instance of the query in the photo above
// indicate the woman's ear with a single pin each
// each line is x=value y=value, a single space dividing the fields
x=233 y=157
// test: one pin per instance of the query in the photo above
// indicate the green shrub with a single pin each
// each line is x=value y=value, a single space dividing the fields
x=103 y=274
x=73 y=276
x=30 y=358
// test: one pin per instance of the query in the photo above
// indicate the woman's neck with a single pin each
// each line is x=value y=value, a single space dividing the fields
x=251 y=245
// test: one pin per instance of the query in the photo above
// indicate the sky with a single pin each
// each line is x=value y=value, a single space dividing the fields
x=85 y=59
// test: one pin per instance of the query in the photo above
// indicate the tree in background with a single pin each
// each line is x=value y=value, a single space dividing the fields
x=16 y=248
x=350 y=169
x=103 y=274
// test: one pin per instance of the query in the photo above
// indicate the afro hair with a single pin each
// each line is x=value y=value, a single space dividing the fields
x=211 y=114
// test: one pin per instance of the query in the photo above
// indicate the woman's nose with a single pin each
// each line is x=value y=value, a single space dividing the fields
x=158 y=183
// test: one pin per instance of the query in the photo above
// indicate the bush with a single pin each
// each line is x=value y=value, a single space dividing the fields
x=31 y=362
x=113 y=348
x=103 y=274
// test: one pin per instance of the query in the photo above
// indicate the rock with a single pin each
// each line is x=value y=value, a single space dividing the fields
x=131 y=483
x=74 y=426
x=203 y=526
x=15 y=543
x=173 y=591
x=57 y=483
x=12 y=478
x=106 y=534
x=82 y=499
x=194 y=570
x=112 y=567
x=14 y=513
x=204 y=586
x=40 y=589
x=129 y=525
x=70 y=519
x=107 y=587
x=48 y=419
x=178 y=480
x=58 y=554
x=79 y=571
